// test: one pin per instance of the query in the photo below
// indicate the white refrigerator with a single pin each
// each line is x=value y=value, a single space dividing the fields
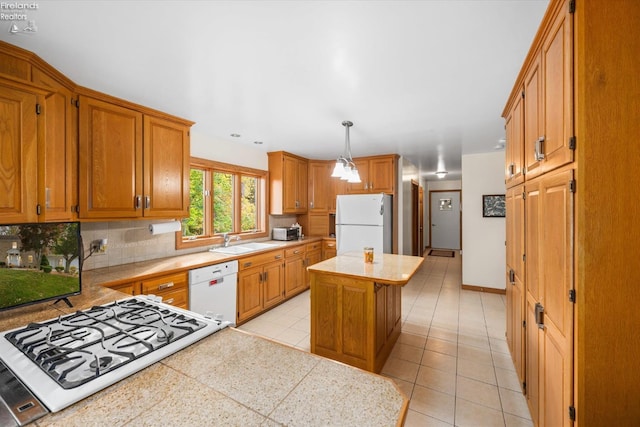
x=364 y=220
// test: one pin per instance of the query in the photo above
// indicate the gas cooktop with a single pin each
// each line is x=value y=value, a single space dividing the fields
x=66 y=359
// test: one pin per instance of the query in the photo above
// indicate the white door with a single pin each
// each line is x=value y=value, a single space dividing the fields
x=445 y=219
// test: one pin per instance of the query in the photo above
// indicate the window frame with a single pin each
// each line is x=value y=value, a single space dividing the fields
x=210 y=238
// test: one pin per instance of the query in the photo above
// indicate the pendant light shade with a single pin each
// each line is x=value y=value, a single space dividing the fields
x=345 y=168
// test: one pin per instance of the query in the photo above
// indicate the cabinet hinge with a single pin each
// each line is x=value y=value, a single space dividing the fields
x=38 y=109
x=38 y=209
x=572 y=186
x=572 y=6
x=524 y=196
x=572 y=143
x=522 y=94
x=572 y=413
x=572 y=295
x=524 y=257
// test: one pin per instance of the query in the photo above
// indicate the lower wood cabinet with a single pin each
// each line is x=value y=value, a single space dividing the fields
x=295 y=267
x=354 y=321
x=260 y=283
x=313 y=256
x=173 y=288
x=329 y=248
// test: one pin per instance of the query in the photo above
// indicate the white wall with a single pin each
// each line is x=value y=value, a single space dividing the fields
x=483 y=239
x=223 y=151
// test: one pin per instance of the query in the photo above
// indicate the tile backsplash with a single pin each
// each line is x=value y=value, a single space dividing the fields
x=131 y=241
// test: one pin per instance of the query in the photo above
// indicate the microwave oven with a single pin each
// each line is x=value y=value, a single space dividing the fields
x=285 y=233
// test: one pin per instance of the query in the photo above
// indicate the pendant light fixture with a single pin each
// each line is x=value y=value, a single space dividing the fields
x=345 y=168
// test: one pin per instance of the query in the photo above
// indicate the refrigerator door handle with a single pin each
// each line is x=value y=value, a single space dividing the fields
x=381 y=208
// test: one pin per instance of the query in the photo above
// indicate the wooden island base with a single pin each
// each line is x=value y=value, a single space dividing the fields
x=356 y=308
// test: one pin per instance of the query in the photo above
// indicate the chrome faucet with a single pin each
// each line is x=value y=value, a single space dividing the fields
x=228 y=238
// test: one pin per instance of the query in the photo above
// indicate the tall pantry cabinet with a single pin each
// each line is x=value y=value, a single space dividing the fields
x=572 y=243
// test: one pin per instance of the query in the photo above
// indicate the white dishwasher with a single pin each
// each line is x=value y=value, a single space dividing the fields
x=212 y=291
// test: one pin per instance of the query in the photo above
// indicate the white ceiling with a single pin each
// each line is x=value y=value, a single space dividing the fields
x=425 y=79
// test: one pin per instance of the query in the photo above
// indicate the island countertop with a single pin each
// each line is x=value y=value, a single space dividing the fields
x=389 y=269
x=229 y=378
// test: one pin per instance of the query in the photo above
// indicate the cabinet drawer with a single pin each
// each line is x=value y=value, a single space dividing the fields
x=167 y=283
x=129 y=288
x=295 y=251
x=328 y=244
x=263 y=258
x=314 y=246
x=177 y=297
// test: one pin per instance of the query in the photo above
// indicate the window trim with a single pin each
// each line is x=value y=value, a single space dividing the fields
x=263 y=217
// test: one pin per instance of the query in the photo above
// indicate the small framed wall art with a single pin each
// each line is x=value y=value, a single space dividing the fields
x=493 y=206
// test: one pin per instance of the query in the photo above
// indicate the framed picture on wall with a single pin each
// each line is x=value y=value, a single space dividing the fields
x=493 y=205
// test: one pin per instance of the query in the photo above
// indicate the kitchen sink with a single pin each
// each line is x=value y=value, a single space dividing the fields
x=244 y=248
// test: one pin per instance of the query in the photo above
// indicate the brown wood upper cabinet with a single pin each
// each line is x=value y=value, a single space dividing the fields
x=131 y=164
x=319 y=186
x=38 y=175
x=18 y=150
x=539 y=117
x=513 y=150
x=287 y=183
x=378 y=175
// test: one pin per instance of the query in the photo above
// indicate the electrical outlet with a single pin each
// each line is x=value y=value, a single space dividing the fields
x=98 y=246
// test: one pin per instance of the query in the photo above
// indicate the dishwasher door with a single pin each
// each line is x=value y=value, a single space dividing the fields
x=212 y=291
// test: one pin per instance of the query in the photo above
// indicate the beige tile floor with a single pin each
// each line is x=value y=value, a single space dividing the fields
x=451 y=360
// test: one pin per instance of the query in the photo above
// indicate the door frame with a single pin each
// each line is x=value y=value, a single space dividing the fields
x=415 y=218
x=430 y=207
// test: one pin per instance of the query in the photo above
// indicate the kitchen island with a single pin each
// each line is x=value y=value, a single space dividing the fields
x=229 y=378
x=356 y=307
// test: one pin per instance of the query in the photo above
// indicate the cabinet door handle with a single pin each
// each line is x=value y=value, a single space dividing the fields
x=371 y=185
x=512 y=277
x=512 y=170
x=540 y=315
x=147 y=202
x=539 y=148
x=247 y=264
x=297 y=251
x=278 y=256
x=260 y=277
x=165 y=286
x=138 y=201
x=311 y=204
x=169 y=301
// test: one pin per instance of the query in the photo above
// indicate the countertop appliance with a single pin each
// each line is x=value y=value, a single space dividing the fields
x=212 y=291
x=364 y=220
x=64 y=360
x=285 y=233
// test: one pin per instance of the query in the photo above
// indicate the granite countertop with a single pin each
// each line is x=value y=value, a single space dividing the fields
x=389 y=269
x=135 y=271
x=229 y=378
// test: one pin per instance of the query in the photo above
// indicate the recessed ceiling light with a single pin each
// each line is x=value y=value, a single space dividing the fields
x=235 y=135
x=257 y=142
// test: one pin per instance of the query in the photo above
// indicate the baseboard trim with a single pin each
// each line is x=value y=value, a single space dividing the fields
x=483 y=289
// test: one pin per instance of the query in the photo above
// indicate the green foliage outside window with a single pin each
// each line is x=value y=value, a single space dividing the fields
x=221 y=193
x=194 y=224
x=222 y=202
x=249 y=208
